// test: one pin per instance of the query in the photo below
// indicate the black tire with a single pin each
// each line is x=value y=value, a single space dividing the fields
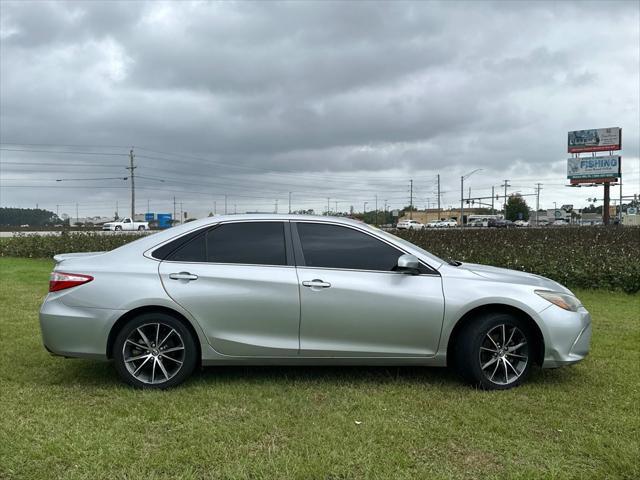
x=141 y=227
x=174 y=365
x=481 y=342
x=118 y=227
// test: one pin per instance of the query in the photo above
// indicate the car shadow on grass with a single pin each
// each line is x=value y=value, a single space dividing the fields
x=87 y=373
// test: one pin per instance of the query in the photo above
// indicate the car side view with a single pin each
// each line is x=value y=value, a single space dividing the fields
x=303 y=290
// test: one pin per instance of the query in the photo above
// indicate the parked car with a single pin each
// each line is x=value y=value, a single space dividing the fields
x=292 y=289
x=447 y=223
x=125 y=224
x=433 y=224
x=500 y=223
x=521 y=223
x=409 y=225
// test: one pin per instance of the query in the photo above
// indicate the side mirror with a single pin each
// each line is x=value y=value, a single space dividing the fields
x=408 y=264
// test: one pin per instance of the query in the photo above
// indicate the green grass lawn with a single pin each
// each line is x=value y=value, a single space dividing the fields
x=74 y=419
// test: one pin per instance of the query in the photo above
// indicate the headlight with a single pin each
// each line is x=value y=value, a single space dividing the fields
x=562 y=300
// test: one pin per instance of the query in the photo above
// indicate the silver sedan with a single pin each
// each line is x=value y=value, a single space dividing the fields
x=298 y=290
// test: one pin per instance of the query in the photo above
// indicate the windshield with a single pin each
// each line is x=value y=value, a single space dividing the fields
x=402 y=241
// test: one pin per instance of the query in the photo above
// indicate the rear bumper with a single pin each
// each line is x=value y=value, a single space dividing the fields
x=76 y=331
x=568 y=336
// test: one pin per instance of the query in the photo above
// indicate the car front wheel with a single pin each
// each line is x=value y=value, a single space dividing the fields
x=154 y=350
x=495 y=352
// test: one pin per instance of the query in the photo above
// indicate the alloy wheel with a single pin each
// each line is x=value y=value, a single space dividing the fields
x=154 y=353
x=504 y=354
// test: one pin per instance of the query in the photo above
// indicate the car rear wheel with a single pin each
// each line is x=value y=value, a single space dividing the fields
x=495 y=352
x=154 y=350
x=141 y=227
x=118 y=227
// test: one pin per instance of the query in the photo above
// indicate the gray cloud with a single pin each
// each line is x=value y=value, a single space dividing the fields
x=374 y=92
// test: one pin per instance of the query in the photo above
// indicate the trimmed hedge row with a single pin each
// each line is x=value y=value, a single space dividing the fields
x=46 y=246
x=585 y=257
x=579 y=257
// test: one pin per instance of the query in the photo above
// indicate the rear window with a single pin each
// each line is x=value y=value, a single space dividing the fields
x=254 y=243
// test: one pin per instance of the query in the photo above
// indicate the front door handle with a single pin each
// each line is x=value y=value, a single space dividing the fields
x=183 y=276
x=316 y=283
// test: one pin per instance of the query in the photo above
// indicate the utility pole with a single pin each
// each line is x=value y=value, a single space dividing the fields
x=117 y=214
x=505 y=185
x=58 y=210
x=364 y=210
x=620 y=181
x=438 y=196
x=131 y=168
x=376 y=222
x=462 y=201
x=225 y=204
x=328 y=207
x=538 y=188
x=174 y=208
x=289 y=202
x=607 y=201
x=148 y=207
x=493 y=196
x=181 y=214
x=411 y=198
x=215 y=210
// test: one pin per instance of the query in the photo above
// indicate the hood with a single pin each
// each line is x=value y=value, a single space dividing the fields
x=506 y=275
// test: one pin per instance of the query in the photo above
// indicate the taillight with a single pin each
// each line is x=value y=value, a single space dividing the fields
x=62 y=280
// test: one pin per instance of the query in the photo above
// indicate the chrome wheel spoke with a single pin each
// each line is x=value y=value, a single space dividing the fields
x=141 y=365
x=507 y=362
x=157 y=334
x=137 y=345
x=165 y=338
x=153 y=370
x=492 y=350
x=516 y=347
x=510 y=337
x=169 y=358
x=490 y=362
x=174 y=349
x=515 y=355
x=493 y=341
x=164 y=370
x=138 y=357
x=144 y=337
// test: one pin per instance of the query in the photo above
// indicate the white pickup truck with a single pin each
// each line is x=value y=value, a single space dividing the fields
x=125 y=224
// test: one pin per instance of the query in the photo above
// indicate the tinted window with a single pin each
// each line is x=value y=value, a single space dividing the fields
x=163 y=252
x=333 y=246
x=260 y=243
x=192 y=251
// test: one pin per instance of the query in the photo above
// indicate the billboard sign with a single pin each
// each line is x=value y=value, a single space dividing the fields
x=593 y=169
x=595 y=140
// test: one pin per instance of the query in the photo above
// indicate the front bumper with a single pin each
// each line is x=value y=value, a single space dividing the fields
x=75 y=331
x=567 y=336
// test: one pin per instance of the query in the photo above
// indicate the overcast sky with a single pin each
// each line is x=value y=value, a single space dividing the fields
x=344 y=100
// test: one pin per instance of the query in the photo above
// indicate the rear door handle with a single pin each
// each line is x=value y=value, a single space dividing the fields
x=317 y=283
x=183 y=276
